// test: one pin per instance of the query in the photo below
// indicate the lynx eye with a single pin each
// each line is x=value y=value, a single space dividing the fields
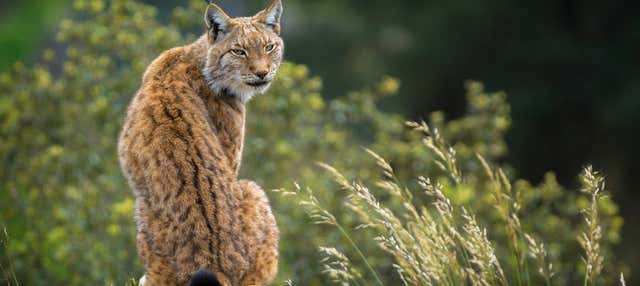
x=269 y=47
x=238 y=52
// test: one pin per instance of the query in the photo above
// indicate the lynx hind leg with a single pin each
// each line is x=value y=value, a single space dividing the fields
x=260 y=229
x=157 y=269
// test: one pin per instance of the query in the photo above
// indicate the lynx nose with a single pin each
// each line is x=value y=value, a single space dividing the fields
x=261 y=74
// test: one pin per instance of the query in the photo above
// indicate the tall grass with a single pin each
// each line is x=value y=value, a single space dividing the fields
x=438 y=242
x=8 y=273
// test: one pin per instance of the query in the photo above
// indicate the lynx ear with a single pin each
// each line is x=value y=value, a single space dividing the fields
x=216 y=20
x=270 y=17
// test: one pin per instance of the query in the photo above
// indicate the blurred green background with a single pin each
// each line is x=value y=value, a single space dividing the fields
x=571 y=69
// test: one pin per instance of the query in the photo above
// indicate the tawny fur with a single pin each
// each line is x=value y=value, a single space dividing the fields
x=181 y=147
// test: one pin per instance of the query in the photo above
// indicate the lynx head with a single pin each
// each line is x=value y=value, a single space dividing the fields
x=243 y=53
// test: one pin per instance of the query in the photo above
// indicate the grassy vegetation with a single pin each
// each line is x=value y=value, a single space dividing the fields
x=443 y=243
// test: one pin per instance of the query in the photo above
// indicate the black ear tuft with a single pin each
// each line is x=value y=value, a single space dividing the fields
x=204 y=277
x=216 y=20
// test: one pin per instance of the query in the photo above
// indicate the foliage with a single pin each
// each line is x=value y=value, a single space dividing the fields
x=69 y=212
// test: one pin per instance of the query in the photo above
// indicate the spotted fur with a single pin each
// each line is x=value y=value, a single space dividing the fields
x=180 y=149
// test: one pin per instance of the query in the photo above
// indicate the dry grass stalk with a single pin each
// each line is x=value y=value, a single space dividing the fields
x=594 y=186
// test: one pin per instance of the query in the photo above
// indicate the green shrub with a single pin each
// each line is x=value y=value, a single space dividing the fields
x=69 y=212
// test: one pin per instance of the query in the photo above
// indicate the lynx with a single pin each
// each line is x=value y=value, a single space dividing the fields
x=181 y=146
